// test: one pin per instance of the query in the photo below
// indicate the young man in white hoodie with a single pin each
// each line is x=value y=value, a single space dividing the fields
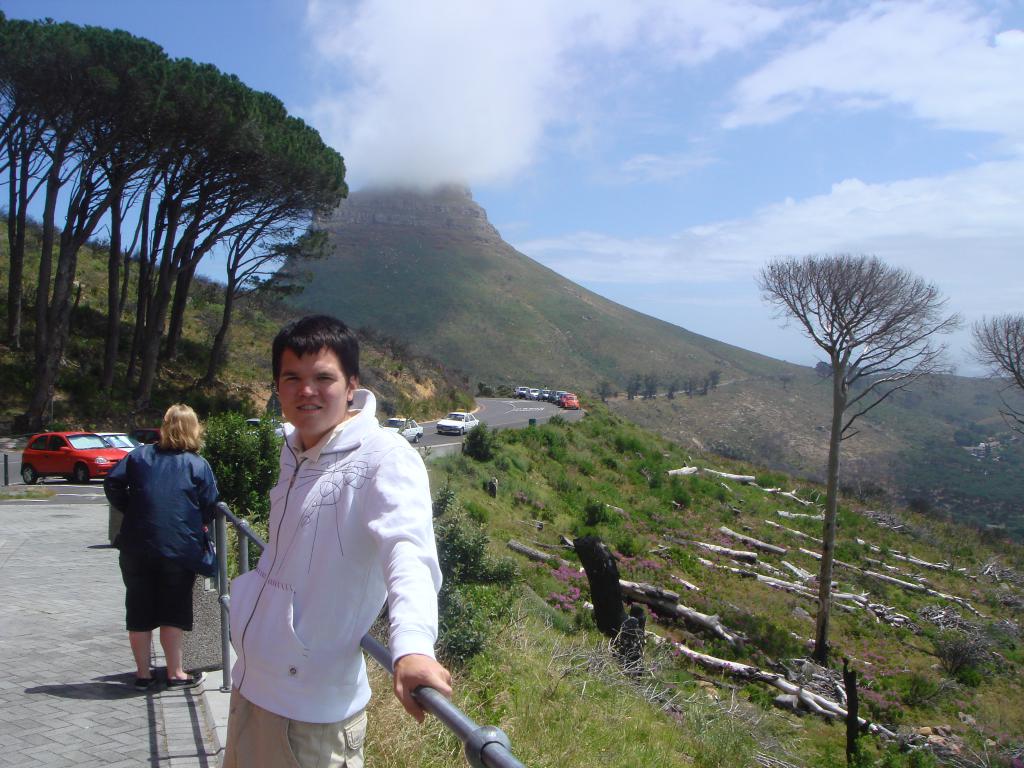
x=350 y=526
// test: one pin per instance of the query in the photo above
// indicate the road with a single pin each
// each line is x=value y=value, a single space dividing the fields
x=497 y=412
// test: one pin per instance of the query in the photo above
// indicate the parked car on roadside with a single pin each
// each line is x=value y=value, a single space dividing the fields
x=119 y=440
x=570 y=402
x=545 y=394
x=523 y=393
x=407 y=428
x=76 y=456
x=556 y=396
x=145 y=435
x=534 y=394
x=278 y=426
x=457 y=423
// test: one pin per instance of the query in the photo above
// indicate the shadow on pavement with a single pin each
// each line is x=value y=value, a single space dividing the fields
x=107 y=687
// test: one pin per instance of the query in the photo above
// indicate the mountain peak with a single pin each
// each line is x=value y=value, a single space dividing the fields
x=448 y=207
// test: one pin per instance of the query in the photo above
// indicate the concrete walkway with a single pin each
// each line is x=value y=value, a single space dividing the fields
x=65 y=687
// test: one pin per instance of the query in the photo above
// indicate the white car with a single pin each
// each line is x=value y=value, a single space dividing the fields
x=119 y=440
x=407 y=428
x=457 y=423
x=278 y=427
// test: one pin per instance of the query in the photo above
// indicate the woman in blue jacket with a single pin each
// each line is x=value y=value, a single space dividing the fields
x=167 y=493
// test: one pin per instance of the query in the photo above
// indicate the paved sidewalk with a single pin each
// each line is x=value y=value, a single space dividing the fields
x=65 y=686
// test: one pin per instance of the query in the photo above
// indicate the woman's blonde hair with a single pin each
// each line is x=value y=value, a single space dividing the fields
x=180 y=430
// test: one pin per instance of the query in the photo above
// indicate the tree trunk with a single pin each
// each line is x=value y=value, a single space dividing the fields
x=16 y=215
x=144 y=288
x=831 y=506
x=53 y=185
x=177 y=323
x=852 y=720
x=218 y=352
x=58 y=327
x=114 y=305
x=603 y=575
x=153 y=335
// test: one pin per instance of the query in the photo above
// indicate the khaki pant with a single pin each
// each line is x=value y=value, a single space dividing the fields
x=260 y=739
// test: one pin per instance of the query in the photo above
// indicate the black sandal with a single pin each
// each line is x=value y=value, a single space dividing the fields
x=189 y=681
x=144 y=683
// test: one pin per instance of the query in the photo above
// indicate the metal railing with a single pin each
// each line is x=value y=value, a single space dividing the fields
x=485 y=746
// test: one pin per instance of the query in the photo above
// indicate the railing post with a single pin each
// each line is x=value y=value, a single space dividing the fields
x=223 y=597
x=7 y=479
x=243 y=550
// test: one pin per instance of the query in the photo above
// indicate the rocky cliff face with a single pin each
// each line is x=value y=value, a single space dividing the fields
x=449 y=208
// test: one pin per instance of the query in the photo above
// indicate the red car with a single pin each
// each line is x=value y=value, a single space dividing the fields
x=76 y=456
x=570 y=401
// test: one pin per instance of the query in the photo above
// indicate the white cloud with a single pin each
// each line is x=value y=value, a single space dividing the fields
x=464 y=90
x=947 y=62
x=653 y=168
x=963 y=230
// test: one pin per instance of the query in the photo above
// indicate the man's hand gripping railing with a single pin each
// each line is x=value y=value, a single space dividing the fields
x=486 y=746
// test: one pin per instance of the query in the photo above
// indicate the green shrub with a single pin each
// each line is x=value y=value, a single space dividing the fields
x=465 y=607
x=917 y=690
x=244 y=459
x=595 y=512
x=479 y=443
x=961 y=655
x=463 y=556
x=445 y=501
x=629 y=544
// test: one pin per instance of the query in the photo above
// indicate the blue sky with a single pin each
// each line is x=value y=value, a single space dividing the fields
x=659 y=151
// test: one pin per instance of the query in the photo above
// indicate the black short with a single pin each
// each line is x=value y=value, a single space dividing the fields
x=158 y=592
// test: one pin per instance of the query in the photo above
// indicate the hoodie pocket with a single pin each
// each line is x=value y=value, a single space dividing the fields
x=263 y=631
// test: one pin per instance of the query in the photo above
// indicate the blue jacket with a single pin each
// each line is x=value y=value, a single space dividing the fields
x=166 y=498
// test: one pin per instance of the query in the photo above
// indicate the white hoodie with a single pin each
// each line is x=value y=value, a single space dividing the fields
x=346 y=532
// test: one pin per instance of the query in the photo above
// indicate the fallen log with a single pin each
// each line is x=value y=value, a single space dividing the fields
x=912 y=587
x=907 y=558
x=735 y=554
x=788 y=494
x=543 y=557
x=744 y=479
x=907 y=585
x=755 y=543
x=684 y=583
x=747 y=672
x=784 y=513
x=797 y=571
x=793 y=531
x=676 y=610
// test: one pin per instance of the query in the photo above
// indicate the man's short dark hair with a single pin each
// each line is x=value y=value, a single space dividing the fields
x=313 y=333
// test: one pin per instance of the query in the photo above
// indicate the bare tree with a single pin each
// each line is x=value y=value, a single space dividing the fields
x=879 y=327
x=999 y=343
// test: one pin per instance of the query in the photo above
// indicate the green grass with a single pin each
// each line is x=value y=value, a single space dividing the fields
x=566 y=476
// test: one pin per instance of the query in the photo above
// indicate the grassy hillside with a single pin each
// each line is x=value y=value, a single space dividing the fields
x=915 y=447
x=547 y=678
x=445 y=282
x=404 y=382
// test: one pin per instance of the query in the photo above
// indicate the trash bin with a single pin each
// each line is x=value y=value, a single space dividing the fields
x=533 y=422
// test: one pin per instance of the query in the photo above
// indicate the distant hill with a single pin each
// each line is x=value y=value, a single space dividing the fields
x=431 y=271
